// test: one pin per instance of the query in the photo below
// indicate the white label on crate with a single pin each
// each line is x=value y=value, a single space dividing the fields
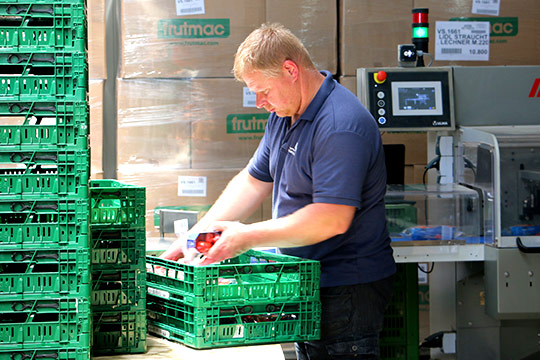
x=249 y=98
x=189 y=7
x=159 y=293
x=156 y=330
x=239 y=332
x=462 y=40
x=192 y=186
x=486 y=7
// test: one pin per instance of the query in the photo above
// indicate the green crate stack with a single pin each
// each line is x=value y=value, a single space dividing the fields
x=118 y=244
x=255 y=298
x=399 y=337
x=45 y=305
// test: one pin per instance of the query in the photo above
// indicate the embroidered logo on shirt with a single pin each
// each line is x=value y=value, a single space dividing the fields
x=292 y=150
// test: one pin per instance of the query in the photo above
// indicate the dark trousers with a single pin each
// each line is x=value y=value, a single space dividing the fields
x=352 y=318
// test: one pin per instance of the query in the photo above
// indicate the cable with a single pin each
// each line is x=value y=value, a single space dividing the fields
x=428 y=271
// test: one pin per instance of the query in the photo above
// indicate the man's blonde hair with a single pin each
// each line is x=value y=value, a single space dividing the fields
x=265 y=50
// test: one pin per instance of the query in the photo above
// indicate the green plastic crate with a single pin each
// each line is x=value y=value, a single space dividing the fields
x=45 y=87
x=229 y=325
x=115 y=204
x=44 y=273
x=31 y=25
x=40 y=63
x=43 y=157
x=118 y=248
x=119 y=332
x=27 y=323
x=68 y=175
x=42 y=126
x=254 y=276
x=399 y=338
x=65 y=179
x=119 y=289
x=47 y=224
x=63 y=353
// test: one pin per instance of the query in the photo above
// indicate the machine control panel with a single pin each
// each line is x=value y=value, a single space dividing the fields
x=408 y=99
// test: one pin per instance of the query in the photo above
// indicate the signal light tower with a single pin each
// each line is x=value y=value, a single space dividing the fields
x=420 y=33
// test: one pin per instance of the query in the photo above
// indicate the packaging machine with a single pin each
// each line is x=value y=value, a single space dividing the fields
x=484 y=206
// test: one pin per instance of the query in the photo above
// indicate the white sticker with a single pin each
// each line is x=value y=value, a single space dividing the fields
x=192 y=186
x=159 y=293
x=181 y=227
x=189 y=7
x=422 y=273
x=462 y=40
x=159 y=331
x=250 y=98
x=486 y=7
x=239 y=332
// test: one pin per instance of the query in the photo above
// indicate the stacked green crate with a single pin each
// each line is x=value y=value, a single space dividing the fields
x=118 y=238
x=255 y=298
x=44 y=169
x=399 y=336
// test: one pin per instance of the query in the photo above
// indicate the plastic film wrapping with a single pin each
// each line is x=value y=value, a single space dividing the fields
x=370 y=32
x=186 y=123
x=97 y=68
x=96 y=128
x=314 y=22
x=513 y=35
x=154 y=121
x=160 y=44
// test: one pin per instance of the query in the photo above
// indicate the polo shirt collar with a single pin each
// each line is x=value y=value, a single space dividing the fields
x=324 y=91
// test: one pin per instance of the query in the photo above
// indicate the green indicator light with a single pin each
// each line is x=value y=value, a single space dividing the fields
x=420 y=32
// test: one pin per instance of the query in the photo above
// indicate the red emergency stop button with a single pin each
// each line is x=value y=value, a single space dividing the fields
x=379 y=77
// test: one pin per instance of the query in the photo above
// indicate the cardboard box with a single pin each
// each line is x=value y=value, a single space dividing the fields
x=414 y=174
x=267 y=209
x=97 y=176
x=224 y=133
x=97 y=65
x=370 y=32
x=513 y=35
x=349 y=82
x=315 y=24
x=156 y=42
x=96 y=126
x=198 y=190
x=415 y=145
x=186 y=123
x=154 y=123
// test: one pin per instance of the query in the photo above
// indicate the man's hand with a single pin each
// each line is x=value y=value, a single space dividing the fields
x=231 y=243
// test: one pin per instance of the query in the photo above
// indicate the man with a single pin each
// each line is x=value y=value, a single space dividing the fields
x=322 y=158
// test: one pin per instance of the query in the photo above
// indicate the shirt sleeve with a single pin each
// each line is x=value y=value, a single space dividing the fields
x=259 y=164
x=340 y=165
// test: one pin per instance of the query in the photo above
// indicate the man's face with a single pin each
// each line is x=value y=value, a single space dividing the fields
x=274 y=94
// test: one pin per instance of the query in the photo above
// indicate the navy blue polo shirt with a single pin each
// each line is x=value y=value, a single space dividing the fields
x=332 y=154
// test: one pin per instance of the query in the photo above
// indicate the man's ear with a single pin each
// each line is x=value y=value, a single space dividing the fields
x=290 y=68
